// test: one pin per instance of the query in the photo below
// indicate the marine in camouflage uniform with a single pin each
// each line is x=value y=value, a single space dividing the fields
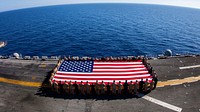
x=97 y=87
x=81 y=87
x=71 y=88
x=136 y=87
x=146 y=85
x=151 y=85
x=87 y=87
x=55 y=84
x=131 y=87
x=113 y=87
x=102 y=87
x=66 y=87
x=120 y=88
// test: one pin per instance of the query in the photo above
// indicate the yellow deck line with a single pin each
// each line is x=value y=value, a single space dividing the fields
x=178 y=81
x=160 y=83
x=22 y=83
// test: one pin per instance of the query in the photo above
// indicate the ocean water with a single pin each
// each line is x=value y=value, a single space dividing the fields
x=101 y=30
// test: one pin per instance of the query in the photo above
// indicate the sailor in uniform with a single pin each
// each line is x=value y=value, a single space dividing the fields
x=93 y=89
x=81 y=87
x=60 y=85
x=51 y=83
x=71 y=88
x=131 y=87
x=55 y=69
x=113 y=87
x=126 y=87
x=136 y=87
x=141 y=86
x=52 y=74
x=55 y=84
x=151 y=85
x=76 y=88
x=87 y=87
x=146 y=85
x=102 y=88
x=120 y=88
x=108 y=88
x=66 y=87
x=155 y=79
x=97 y=87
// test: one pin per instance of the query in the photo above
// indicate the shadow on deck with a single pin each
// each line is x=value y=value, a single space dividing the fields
x=46 y=91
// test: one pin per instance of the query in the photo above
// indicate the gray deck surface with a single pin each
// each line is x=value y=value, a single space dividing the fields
x=31 y=99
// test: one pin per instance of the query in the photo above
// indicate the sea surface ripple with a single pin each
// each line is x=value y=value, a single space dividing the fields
x=100 y=30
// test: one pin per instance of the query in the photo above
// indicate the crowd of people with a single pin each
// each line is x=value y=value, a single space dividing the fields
x=123 y=58
x=101 y=87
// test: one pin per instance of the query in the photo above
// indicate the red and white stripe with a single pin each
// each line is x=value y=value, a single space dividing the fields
x=107 y=72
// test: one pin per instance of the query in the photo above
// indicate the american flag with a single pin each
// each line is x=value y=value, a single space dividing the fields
x=102 y=71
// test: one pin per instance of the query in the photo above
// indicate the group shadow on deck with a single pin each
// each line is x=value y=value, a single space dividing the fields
x=47 y=90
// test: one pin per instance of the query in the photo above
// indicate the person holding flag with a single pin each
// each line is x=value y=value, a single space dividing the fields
x=87 y=87
x=102 y=88
x=113 y=87
x=146 y=85
x=119 y=87
x=66 y=87
x=136 y=88
x=81 y=88
x=97 y=87
x=131 y=87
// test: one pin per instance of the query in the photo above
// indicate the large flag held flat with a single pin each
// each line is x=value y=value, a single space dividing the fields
x=102 y=71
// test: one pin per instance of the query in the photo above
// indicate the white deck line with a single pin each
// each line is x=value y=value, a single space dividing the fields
x=161 y=103
x=188 y=67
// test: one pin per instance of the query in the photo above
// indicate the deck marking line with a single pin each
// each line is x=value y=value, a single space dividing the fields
x=160 y=83
x=22 y=83
x=161 y=103
x=188 y=67
x=178 y=81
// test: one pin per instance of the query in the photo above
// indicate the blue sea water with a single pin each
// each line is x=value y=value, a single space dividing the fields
x=100 y=30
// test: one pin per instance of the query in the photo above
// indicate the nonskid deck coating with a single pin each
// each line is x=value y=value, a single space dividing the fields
x=184 y=95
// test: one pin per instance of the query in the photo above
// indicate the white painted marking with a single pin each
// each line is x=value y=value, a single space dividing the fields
x=161 y=103
x=188 y=67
